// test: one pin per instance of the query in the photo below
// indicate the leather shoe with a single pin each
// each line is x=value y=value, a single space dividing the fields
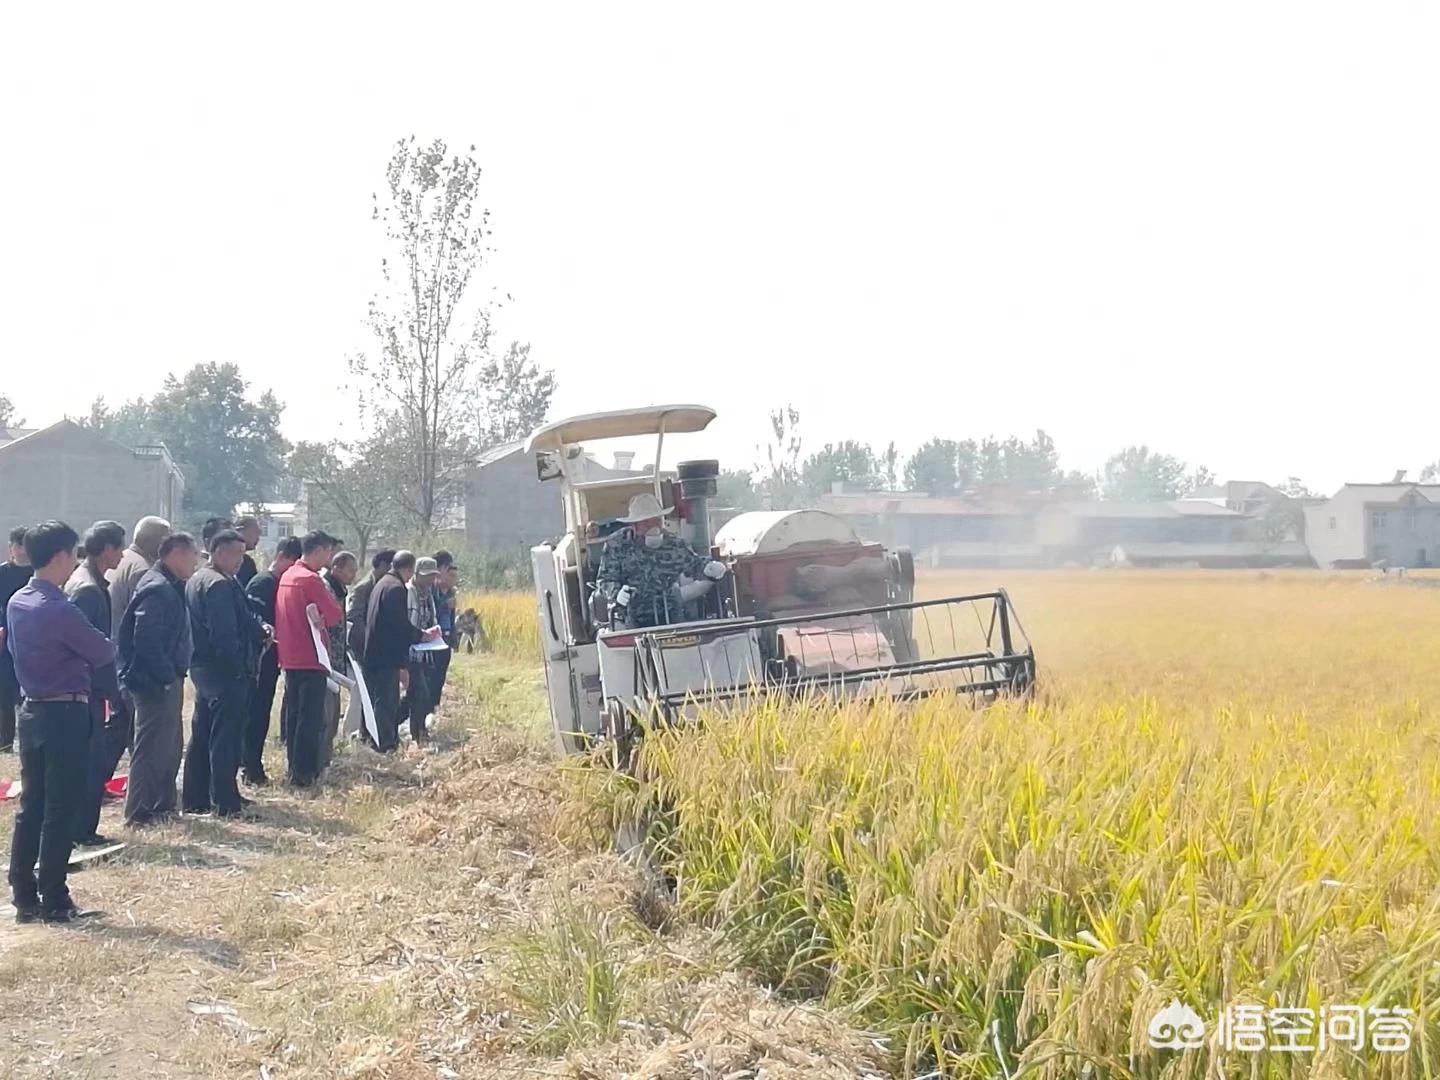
x=27 y=913
x=93 y=840
x=255 y=779
x=63 y=912
x=239 y=813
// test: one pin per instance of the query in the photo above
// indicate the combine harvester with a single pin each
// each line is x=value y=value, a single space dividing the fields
x=807 y=607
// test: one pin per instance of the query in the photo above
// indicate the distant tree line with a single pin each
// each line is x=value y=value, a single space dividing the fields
x=786 y=476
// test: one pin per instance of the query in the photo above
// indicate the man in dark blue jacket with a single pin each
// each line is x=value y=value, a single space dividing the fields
x=109 y=716
x=155 y=644
x=226 y=639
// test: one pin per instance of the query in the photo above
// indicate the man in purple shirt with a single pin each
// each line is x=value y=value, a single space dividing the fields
x=55 y=650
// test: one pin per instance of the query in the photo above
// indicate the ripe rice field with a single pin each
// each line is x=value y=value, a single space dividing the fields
x=1226 y=794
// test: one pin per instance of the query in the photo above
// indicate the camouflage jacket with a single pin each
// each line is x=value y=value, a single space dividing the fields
x=650 y=572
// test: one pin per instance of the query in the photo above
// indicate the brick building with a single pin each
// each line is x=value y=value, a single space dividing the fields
x=69 y=472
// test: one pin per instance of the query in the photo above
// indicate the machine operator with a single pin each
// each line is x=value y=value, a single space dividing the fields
x=641 y=566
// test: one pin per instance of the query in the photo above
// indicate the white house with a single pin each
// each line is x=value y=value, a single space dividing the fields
x=277 y=521
x=1362 y=524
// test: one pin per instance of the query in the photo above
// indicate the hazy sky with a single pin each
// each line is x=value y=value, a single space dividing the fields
x=1212 y=228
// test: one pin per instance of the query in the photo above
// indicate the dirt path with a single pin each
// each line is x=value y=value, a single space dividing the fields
x=372 y=929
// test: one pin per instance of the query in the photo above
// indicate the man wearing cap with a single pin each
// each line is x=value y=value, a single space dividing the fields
x=641 y=566
x=420 y=607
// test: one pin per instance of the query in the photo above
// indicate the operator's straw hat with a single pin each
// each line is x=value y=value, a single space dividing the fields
x=644 y=507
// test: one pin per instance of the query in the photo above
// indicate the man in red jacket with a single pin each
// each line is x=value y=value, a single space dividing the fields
x=302 y=600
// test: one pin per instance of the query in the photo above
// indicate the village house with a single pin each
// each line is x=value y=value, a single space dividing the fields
x=278 y=520
x=1397 y=524
x=69 y=472
x=508 y=507
x=998 y=530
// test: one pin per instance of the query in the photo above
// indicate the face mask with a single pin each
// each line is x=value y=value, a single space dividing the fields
x=654 y=538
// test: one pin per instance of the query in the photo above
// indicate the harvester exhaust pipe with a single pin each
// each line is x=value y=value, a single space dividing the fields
x=698 y=488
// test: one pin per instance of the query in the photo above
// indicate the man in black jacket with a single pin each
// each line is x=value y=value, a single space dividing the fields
x=14 y=574
x=154 y=641
x=261 y=595
x=225 y=655
x=109 y=716
x=249 y=529
x=388 y=637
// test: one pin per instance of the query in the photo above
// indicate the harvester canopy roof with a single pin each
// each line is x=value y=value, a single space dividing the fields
x=621 y=423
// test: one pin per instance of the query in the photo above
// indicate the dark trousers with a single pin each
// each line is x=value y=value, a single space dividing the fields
x=155 y=752
x=9 y=700
x=384 y=687
x=303 y=713
x=439 y=670
x=108 y=742
x=257 y=725
x=54 y=743
x=418 y=701
x=217 y=727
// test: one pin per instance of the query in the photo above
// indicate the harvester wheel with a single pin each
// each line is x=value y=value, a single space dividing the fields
x=619 y=733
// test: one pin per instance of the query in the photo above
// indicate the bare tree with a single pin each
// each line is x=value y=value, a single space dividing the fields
x=514 y=396
x=778 y=474
x=347 y=488
x=431 y=335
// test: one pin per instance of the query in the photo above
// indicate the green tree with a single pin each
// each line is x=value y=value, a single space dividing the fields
x=1430 y=474
x=736 y=487
x=130 y=425
x=7 y=414
x=943 y=466
x=1139 y=474
x=933 y=468
x=847 y=462
x=347 y=489
x=890 y=467
x=229 y=446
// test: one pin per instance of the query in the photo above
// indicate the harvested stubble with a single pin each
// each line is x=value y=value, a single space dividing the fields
x=1225 y=795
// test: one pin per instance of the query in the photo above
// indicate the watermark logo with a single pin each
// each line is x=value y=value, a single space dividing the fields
x=1254 y=1028
x=1176 y=1027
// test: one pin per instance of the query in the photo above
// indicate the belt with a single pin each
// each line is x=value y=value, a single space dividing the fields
x=83 y=699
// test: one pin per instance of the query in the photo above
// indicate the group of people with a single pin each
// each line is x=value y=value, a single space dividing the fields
x=98 y=637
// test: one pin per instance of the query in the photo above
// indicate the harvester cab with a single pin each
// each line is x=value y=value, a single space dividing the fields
x=807 y=606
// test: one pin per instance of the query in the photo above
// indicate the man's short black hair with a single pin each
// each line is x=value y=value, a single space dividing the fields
x=317 y=539
x=404 y=560
x=212 y=526
x=443 y=559
x=103 y=534
x=176 y=540
x=224 y=536
x=246 y=521
x=17 y=535
x=289 y=548
x=382 y=559
x=48 y=539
